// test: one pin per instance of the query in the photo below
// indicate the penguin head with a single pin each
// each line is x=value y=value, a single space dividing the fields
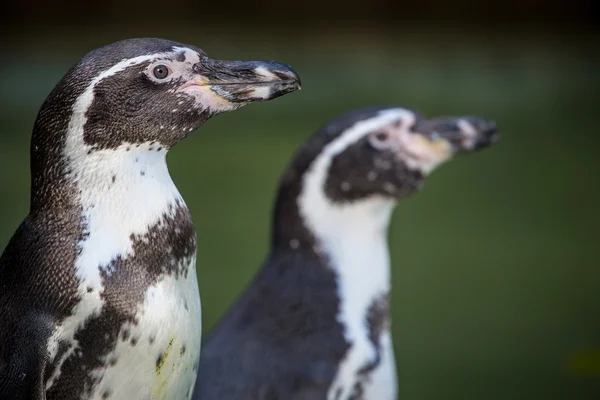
x=392 y=152
x=155 y=90
x=387 y=152
x=132 y=101
x=349 y=175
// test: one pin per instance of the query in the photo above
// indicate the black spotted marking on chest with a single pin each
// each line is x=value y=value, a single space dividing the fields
x=377 y=321
x=165 y=250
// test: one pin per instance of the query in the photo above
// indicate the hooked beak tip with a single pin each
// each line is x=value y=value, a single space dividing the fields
x=257 y=81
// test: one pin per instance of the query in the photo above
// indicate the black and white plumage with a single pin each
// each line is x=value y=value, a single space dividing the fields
x=98 y=287
x=314 y=323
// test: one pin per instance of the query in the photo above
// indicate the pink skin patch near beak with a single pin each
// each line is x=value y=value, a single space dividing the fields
x=205 y=97
x=422 y=153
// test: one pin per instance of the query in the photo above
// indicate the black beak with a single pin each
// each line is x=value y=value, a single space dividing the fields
x=247 y=81
x=462 y=133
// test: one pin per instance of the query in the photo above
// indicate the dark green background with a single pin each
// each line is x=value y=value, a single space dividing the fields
x=496 y=279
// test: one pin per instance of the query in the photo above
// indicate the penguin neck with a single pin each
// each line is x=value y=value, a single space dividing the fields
x=121 y=194
x=350 y=238
x=118 y=175
x=66 y=169
x=66 y=158
x=129 y=180
x=353 y=239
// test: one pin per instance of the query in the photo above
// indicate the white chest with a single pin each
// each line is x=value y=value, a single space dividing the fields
x=155 y=356
x=353 y=239
x=160 y=360
x=381 y=383
x=131 y=208
x=362 y=265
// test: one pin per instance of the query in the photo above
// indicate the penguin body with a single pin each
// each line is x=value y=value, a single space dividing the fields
x=98 y=289
x=315 y=321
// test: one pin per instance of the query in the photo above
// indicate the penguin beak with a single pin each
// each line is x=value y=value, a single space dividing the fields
x=428 y=143
x=246 y=81
x=457 y=134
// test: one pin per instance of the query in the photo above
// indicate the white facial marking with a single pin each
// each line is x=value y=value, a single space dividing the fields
x=353 y=236
x=191 y=56
x=177 y=69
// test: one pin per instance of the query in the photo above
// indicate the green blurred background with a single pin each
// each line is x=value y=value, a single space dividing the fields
x=496 y=278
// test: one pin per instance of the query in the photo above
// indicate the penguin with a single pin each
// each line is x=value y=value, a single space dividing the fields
x=315 y=321
x=98 y=289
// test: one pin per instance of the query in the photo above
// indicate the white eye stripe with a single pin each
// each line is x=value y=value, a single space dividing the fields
x=178 y=67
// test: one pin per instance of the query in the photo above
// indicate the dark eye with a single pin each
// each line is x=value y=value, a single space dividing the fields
x=160 y=71
x=381 y=140
x=381 y=136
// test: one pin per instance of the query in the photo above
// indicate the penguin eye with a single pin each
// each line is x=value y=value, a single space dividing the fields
x=381 y=136
x=161 y=71
x=380 y=140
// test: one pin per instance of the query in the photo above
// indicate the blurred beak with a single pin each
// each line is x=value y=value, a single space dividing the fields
x=246 y=81
x=428 y=143
x=460 y=134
